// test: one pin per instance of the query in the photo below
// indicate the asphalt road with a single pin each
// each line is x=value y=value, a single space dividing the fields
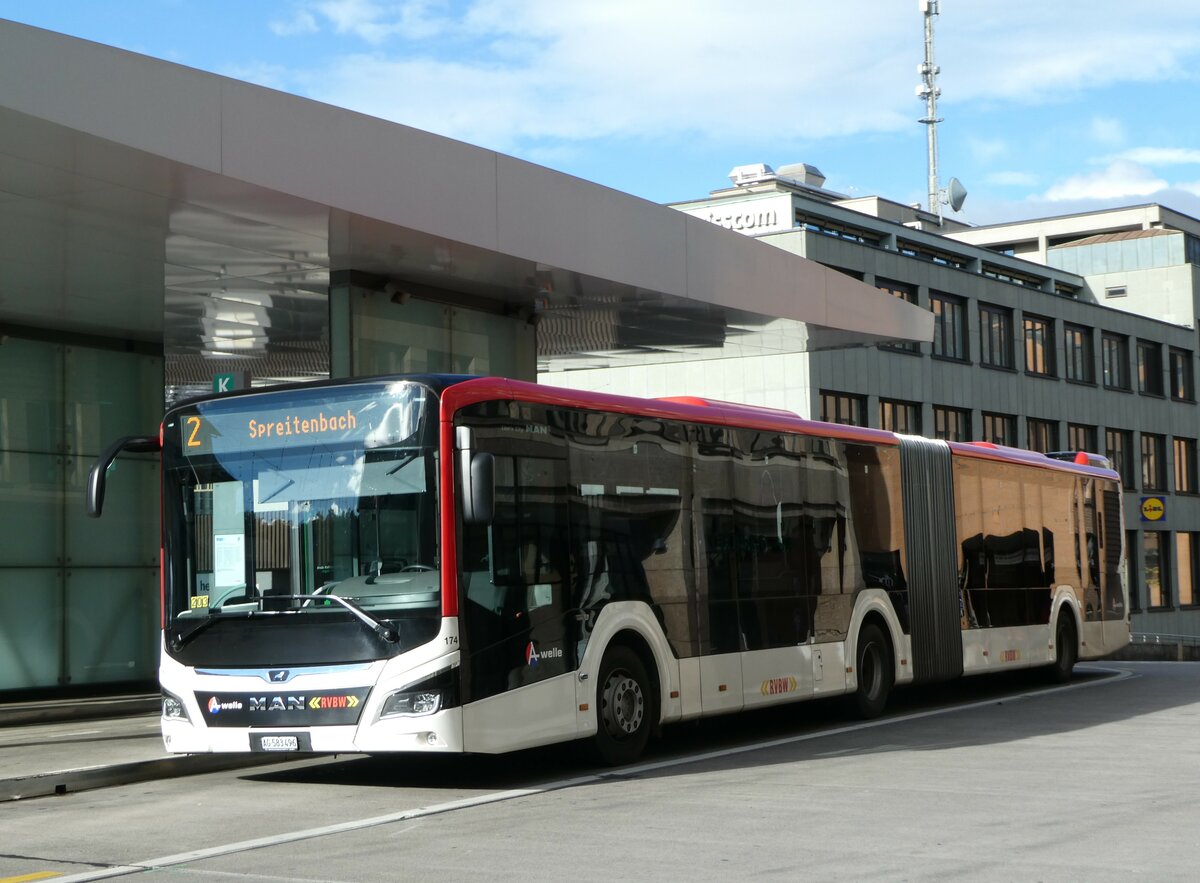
x=993 y=779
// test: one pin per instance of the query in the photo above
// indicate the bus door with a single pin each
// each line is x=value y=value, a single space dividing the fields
x=1116 y=630
x=1087 y=548
x=781 y=535
x=720 y=644
x=518 y=630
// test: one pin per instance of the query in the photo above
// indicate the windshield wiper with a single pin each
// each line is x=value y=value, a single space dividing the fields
x=181 y=640
x=402 y=463
x=385 y=632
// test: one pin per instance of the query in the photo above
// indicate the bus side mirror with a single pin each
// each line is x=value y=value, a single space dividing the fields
x=99 y=471
x=479 y=495
x=477 y=481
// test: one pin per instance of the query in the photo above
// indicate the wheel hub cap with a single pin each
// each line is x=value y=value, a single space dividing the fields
x=623 y=706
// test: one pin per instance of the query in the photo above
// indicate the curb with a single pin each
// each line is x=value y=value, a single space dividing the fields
x=79 y=710
x=88 y=778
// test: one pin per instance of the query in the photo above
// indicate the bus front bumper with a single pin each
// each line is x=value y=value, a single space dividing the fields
x=438 y=732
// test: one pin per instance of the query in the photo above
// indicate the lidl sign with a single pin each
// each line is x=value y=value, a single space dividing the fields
x=1154 y=508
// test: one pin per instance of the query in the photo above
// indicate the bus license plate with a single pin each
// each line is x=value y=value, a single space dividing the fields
x=279 y=743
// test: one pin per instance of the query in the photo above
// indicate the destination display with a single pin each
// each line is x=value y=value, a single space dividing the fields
x=379 y=417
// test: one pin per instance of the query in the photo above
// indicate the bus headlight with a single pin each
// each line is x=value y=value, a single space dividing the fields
x=414 y=703
x=427 y=696
x=173 y=708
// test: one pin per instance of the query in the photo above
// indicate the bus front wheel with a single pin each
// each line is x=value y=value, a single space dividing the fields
x=873 y=664
x=1066 y=649
x=626 y=708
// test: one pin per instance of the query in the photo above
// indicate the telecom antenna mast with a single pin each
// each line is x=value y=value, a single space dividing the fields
x=929 y=91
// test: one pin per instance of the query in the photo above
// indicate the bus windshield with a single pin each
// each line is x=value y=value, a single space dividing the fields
x=287 y=502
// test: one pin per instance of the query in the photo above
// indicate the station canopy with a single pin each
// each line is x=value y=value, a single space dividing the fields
x=144 y=200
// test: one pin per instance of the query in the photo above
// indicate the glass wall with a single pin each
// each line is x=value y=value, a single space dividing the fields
x=422 y=336
x=1149 y=249
x=78 y=596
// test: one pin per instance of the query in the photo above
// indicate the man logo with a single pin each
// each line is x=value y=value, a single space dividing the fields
x=276 y=703
x=279 y=675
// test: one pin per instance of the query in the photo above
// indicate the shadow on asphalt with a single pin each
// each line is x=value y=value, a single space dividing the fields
x=1063 y=711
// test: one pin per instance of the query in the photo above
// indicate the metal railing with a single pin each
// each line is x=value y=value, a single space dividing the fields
x=1163 y=638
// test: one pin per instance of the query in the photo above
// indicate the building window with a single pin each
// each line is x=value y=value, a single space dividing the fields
x=1115 y=291
x=1186 y=549
x=1185 y=465
x=1078 y=346
x=900 y=416
x=1154 y=473
x=1118 y=447
x=1043 y=435
x=951 y=424
x=841 y=407
x=1135 y=594
x=1154 y=562
x=1000 y=429
x=1039 y=346
x=1183 y=387
x=908 y=294
x=1149 y=368
x=995 y=336
x=1115 y=351
x=1081 y=437
x=949 y=326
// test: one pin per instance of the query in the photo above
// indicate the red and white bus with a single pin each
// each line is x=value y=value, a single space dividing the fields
x=454 y=564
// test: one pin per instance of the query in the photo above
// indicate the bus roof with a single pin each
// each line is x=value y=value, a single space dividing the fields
x=712 y=411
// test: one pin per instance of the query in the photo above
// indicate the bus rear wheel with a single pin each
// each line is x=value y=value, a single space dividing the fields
x=1066 y=649
x=873 y=664
x=626 y=707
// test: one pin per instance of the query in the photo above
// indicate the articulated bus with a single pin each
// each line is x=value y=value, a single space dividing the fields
x=457 y=564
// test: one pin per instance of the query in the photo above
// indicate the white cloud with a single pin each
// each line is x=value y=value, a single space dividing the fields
x=1011 y=179
x=1119 y=179
x=372 y=21
x=1107 y=130
x=506 y=72
x=303 y=22
x=358 y=17
x=377 y=22
x=1030 y=51
x=551 y=80
x=985 y=150
x=1163 y=156
x=539 y=70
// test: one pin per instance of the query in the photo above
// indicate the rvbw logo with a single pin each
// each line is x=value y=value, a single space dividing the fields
x=533 y=657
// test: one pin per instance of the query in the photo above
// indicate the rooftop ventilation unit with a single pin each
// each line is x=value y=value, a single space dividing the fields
x=751 y=174
x=803 y=173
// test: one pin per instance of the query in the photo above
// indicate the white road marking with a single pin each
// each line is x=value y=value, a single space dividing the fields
x=513 y=794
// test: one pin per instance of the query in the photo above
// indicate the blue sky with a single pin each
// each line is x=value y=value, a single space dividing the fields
x=1049 y=107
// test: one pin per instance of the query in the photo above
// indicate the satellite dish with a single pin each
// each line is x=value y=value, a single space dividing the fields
x=956 y=194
